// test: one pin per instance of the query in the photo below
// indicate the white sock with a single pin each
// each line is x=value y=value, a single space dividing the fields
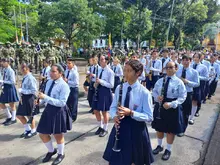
x=105 y=127
x=100 y=124
x=33 y=130
x=13 y=113
x=194 y=109
x=159 y=141
x=60 y=148
x=8 y=113
x=169 y=146
x=49 y=146
x=27 y=127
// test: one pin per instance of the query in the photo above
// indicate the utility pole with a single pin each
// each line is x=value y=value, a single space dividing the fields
x=168 y=31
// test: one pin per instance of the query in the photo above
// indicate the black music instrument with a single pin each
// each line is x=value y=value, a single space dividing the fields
x=96 y=86
x=116 y=147
x=162 y=94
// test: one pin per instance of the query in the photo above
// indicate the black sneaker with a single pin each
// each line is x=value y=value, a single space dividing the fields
x=191 y=122
x=58 y=159
x=6 y=121
x=30 y=135
x=98 y=131
x=25 y=134
x=157 y=150
x=166 y=155
x=197 y=115
x=103 y=133
x=91 y=111
x=49 y=156
x=180 y=134
x=10 y=122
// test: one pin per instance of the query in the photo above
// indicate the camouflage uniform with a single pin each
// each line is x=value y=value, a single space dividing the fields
x=49 y=53
x=8 y=51
x=1 y=48
x=67 y=52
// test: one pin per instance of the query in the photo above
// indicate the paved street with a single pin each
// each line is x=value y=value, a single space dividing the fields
x=83 y=147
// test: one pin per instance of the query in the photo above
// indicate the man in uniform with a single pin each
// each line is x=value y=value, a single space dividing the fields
x=8 y=51
x=1 y=48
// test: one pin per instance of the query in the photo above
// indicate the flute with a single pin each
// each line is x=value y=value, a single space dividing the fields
x=116 y=146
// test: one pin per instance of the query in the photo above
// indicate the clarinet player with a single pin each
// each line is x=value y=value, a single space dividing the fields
x=136 y=109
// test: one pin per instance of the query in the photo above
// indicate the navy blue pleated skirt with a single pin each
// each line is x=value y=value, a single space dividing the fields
x=116 y=83
x=197 y=96
x=9 y=94
x=55 y=120
x=202 y=87
x=104 y=98
x=171 y=120
x=90 y=93
x=134 y=143
x=27 y=105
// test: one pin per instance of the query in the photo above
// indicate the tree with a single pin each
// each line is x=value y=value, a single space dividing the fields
x=73 y=17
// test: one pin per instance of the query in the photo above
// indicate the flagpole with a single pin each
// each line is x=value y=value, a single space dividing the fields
x=16 y=33
x=26 y=25
x=21 y=21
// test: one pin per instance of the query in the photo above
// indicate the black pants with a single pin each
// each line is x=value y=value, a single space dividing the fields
x=72 y=101
x=91 y=93
x=187 y=107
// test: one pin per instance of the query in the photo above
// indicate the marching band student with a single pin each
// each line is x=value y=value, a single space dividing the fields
x=117 y=69
x=190 y=78
x=143 y=59
x=169 y=93
x=207 y=64
x=103 y=96
x=198 y=92
x=45 y=73
x=165 y=59
x=130 y=118
x=156 y=68
x=28 y=93
x=89 y=71
x=72 y=78
x=95 y=69
x=55 y=119
x=9 y=93
x=214 y=83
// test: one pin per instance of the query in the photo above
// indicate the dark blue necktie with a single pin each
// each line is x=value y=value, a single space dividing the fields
x=166 y=87
x=94 y=70
x=68 y=74
x=51 y=87
x=194 y=66
x=153 y=63
x=184 y=73
x=44 y=72
x=100 y=76
x=212 y=64
x=90 y=69
x=114 y=69
x=163 y=60
x=127 y=98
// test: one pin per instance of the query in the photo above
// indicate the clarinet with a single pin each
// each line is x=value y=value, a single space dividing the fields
x=162 y=94
x=96 y=86
x=116 y=147
x=36 y=108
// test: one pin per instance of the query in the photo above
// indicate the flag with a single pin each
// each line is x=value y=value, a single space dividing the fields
x=109 y=44
x=22 y=37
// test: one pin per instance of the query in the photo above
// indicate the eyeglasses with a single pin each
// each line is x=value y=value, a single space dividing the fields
x=170 y=67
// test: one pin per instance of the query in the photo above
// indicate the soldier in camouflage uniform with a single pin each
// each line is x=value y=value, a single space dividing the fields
x=8 y=51
x=26 y=55
x=49 y=53
x=67 y=52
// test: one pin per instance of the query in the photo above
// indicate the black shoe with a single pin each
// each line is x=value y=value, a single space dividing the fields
x=103 y=133
x=58 y=159
x=10 y=122
x=191 y=122
x=157 y=150
x=98 y=131
x=74 y=118
x=91 y=111
x=6 y=121
x=24 y=134
x=204 y=102
x=197 y=115
x=166 y=155
x=209 y=98
x=49 y=156
x=30 y=135
x=180 y=134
